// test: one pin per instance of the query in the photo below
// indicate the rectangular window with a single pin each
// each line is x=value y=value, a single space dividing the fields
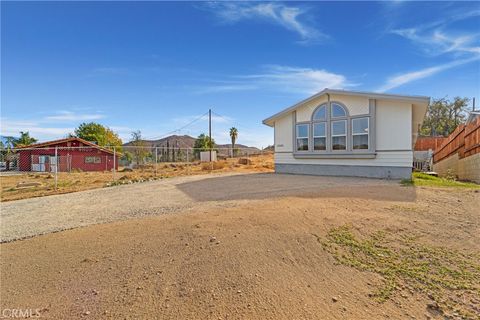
x=319 y=136
x=302 y=137
x=360 y=128
x=339 y=135
x=93 y=160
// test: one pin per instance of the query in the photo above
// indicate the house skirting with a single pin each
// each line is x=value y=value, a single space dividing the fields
x=383 y=172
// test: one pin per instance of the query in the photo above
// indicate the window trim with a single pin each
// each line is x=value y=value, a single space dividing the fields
x=323 y=105
x=325 y=136
x=339 y=135
x=349 y=152
x=94 y=158
x=302 y=137
x=361 y=134
x=341 y=106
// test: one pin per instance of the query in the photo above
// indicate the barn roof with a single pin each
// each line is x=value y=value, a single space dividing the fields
x=59 y=141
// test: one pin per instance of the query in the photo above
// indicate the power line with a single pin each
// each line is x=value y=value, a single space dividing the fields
x=179 y=129
x=229 y=120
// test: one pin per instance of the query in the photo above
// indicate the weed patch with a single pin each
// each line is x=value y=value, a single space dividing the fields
x=450 y=278
x=422 y=179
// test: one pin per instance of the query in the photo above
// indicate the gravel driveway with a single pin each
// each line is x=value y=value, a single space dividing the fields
x=30 y=217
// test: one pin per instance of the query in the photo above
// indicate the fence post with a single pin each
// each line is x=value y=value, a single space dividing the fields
x=114 y=162
x=188 y=164
x=156 y=160
x=56 y=168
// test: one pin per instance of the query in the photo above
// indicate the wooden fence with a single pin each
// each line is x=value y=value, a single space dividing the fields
x=465 y=141
x=428 y=143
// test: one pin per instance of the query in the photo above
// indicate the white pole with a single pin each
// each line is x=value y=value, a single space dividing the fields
x=114 y=160
x=156 y=160
x=56 y=168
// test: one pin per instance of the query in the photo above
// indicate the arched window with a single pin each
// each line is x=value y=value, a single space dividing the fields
x=338 y=111
x=332 y=129
x=320 y=113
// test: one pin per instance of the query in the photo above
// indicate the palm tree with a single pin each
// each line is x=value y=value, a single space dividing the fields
x=233 y=136
x=24 y=139
x=7 y=152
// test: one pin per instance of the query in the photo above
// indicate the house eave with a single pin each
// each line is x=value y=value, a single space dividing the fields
x=270 y=121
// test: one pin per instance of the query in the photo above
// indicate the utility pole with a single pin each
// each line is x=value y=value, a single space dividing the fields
x=210 y=132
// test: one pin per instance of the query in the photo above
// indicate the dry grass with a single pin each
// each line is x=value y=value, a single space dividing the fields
x=79 y=181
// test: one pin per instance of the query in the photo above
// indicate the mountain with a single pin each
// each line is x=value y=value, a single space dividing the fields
x=187 y=141
x=172 y=141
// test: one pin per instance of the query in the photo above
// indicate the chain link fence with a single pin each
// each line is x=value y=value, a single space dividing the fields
x=30 y=172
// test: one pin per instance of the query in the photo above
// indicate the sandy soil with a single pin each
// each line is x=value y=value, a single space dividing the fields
x=11 y=188
x=258 y=259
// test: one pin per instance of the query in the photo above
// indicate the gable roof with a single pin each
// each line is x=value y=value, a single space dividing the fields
x=59 y=141
x=372 y=95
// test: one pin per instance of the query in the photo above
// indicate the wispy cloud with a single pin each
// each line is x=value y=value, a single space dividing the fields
x=435 y=39
x=232 y=86
x=72 y=116
x=56 y=125
x=12 y=127
x=289 y=17
x=282 y=79
x=180 y=121
x=401 y=79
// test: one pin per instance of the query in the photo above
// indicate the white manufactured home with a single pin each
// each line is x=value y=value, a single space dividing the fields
x=348 y=133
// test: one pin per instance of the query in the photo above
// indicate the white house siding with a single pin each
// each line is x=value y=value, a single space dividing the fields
x=283 y=134
x=394 y=125
x=356 y=105
x=304 y=113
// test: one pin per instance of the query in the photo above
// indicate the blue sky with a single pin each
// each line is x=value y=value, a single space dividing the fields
x=155 y=66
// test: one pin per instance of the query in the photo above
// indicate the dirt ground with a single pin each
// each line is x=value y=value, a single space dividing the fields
x=258 y=259
x=11 y=184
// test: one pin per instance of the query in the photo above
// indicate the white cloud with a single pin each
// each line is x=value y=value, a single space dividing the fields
x=299 y=80
x=12 y=127
x=398 y=80
x=288 y=17
x=73 y=117
x=225 y=88
x=283 y=79
x=435 y=40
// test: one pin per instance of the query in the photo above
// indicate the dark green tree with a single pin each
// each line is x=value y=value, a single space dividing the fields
x=444 y=116
x=203 y=143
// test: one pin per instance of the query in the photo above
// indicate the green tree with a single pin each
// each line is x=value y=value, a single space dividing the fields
x=203 y=143
x=99 y=134
x=24 y=140
x=444 y=116
x=233 y=137
x=139 y=147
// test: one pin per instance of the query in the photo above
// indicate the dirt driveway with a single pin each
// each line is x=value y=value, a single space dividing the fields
x=256 y=253
x=30 y=217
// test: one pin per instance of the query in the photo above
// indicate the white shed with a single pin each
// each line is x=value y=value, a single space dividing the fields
x=348 y=133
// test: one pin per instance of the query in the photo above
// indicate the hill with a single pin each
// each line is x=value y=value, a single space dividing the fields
x=186 y=141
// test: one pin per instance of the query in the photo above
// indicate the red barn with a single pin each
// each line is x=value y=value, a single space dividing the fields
x=72 y=154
